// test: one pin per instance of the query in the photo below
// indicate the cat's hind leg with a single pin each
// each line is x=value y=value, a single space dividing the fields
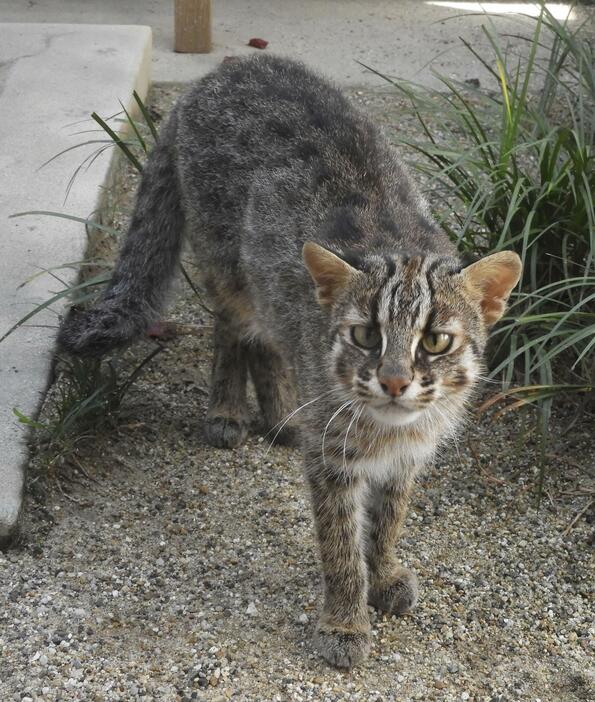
x=227 y=418
x=275 y=389
x=392 y=588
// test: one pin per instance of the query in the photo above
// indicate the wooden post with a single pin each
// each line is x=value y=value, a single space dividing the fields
x=193 y=26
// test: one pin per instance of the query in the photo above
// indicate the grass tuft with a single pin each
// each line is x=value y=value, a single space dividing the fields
x=86 y=398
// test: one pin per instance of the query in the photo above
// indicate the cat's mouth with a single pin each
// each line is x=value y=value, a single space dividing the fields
x=394 y=413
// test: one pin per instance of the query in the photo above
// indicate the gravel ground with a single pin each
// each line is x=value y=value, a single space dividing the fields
x=176 y=571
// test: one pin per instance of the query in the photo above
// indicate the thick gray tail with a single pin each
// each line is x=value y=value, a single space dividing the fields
x=147 y=262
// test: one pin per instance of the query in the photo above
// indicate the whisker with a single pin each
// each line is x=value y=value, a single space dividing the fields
x=283 y=422
x=336 y=414
x=353 y=419
x=359 y=416
x=485 y=379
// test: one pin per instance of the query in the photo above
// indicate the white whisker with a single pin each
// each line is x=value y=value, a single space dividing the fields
x=353 y=419
x=485 y=379
x=283 y=422
x=336 y=414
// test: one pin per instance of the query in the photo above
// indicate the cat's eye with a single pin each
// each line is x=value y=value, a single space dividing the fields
x=437 y=343
x=366 y=337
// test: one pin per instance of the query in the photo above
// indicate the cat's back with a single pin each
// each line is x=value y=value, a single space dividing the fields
x=269 y=112
x=263 y=88
x=267 y=140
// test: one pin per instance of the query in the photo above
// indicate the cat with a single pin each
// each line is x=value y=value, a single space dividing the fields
x=332 y=288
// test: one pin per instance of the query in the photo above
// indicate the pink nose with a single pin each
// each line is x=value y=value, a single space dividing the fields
x=394 y=385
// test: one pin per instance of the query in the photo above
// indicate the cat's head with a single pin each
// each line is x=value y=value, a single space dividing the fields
x=408 y=332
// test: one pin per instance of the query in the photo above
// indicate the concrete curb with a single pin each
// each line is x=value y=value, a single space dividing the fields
x=51 y=76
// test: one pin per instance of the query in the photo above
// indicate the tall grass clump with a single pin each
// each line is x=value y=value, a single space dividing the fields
x=514 y=169
x=86 y=397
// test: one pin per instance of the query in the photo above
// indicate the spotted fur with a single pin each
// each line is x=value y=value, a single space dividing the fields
x=263 y=161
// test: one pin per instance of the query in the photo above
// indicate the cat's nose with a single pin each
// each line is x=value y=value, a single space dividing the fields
x=394 y=385
x=394 y=381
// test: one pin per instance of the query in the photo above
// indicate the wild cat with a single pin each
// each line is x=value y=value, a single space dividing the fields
x=332 y=289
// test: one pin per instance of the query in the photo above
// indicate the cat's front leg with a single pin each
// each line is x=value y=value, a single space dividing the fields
x=343 y=632
x=392 y=587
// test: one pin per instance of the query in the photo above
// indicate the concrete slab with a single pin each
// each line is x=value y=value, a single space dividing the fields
x=399 y=38
x=50 y=76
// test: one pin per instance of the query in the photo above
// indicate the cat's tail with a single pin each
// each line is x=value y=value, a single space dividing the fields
x=147 y=262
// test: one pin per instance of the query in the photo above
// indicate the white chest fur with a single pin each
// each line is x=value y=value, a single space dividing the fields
x=401 y=459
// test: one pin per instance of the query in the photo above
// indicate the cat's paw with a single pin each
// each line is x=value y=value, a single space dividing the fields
x=225 y=432
x=340 y=647
x=399 y=595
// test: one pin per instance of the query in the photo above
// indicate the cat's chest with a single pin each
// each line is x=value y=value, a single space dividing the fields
x=386 y=458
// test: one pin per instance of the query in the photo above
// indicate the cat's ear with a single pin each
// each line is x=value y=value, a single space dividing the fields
x=492 y=279
x=330 y=273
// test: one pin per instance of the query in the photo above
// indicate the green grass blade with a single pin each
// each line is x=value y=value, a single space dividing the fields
x=87 y=222
x=146 y=116
x=135 y=129
x=120 y=143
